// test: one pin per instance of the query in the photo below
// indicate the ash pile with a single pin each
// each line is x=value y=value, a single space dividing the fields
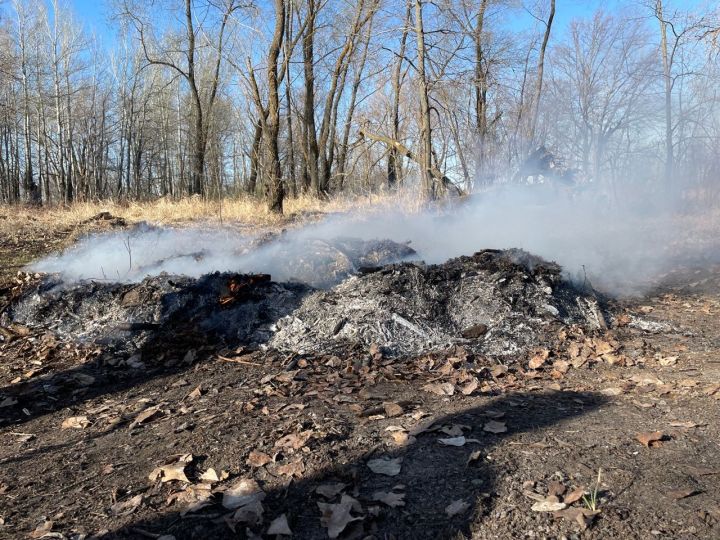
x=223 y=308
x=496 y=303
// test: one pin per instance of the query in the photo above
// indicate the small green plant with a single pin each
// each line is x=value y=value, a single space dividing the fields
x=591 y=501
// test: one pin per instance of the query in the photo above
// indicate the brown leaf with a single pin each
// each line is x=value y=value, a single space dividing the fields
x=123 y=508
x=145 y=416
x=335 y=517
x=75 y=422
x=393 y=500
x=457 y=507
x=294 y=468
x=44 y=528
x=212 y=476
x=294 y=441
x=685 y=425
x=172 y=471
x=493 y=426
x=331 y=490
x=574 y=496
x=258 y=459
x=538 y=358
x=440 y=389
x=402 y=438
x=470 y=387
x=453 y=441
x=548 y=506
x=678 y=494
x=243 y=492
x=556 y=488
x=279 y=526
x=386 y=466
x=195 y=393
x=650 y=439
x=392 y=409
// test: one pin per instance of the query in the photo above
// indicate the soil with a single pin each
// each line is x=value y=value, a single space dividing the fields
x=99 y=444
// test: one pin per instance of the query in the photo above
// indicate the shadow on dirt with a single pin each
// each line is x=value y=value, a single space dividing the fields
x=433 y=478
x=160 y=327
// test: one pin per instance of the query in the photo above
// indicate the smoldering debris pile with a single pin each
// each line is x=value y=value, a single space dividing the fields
x=232 y=308
x=130 y=317
x=494 y=302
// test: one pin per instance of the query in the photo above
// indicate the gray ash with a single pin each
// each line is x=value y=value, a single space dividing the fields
x=496 y=303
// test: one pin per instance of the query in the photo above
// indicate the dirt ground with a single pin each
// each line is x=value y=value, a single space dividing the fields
x=194 y=441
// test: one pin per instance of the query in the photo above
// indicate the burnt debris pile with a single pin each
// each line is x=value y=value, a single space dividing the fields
x=495 y=303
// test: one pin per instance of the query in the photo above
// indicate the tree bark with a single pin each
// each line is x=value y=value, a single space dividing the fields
x=274 y=189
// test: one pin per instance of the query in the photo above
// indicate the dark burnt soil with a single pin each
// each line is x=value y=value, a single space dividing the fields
x=448 y=444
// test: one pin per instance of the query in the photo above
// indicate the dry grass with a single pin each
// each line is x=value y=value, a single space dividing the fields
x=244 y=210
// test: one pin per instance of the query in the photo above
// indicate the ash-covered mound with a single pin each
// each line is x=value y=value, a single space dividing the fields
x=223 y=308
x=496 y=302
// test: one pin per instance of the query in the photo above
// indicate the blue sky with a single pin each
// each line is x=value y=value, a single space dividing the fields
x=94 y=13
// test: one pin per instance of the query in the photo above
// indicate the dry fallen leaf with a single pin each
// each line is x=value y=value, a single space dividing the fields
x=548 y=506
x=43 y=529
x=650 y=439
x=392 y=409
x=538 y=358
x=195 y=393
x=386 y=466
x=330 y=490
x=294 y=468
x=493 y=426
x=678 y=494
x=402 y=438
x=123 y=508
x=294 y=441
x=393 y=500
x=243 y=492
x=686 y=425
x=574 y=496
x=453 y=441
x=470 y=387
x=211 y=475
x=440 y=389
x=279 y=525
x=172 y=471
x=145 y=416
x=335 y=517
x=258 y=459
x=75 y=422
x=457 y=507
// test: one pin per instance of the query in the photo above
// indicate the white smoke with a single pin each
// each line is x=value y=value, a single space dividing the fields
x=620 y=250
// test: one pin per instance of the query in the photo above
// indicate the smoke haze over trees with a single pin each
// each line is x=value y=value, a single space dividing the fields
x=275 y=98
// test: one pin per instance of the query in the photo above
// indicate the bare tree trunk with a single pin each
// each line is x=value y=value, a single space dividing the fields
x=274 y=189
x=667 y=76
x=394 y=164
x=540 y=70
x=310 y=143
x=426 y=178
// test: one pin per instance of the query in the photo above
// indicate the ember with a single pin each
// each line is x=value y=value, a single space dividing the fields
x=241 y=288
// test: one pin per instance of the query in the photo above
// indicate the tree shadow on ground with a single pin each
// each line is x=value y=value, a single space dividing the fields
x=433 y=476
x=191 y=320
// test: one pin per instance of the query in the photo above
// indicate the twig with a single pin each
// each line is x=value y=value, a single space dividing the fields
x=237 y=361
